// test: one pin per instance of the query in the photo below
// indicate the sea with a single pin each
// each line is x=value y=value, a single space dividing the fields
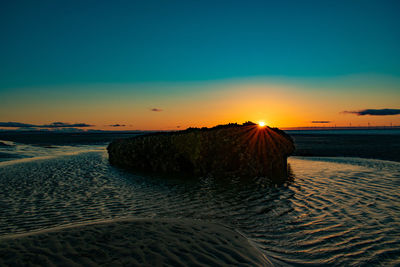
x=340 y=207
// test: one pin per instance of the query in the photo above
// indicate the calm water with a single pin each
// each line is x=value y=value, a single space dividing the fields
x=337 y=211
x=389 y=131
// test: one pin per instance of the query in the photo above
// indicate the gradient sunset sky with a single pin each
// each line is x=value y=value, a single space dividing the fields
x=169 y=64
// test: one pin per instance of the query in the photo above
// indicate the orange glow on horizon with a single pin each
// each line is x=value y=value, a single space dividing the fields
x=286 y=104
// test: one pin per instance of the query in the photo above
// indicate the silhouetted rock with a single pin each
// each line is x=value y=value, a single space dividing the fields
x=226 y=150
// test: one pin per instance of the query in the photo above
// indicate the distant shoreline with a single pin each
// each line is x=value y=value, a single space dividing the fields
x=302 y=128
x=329 y=128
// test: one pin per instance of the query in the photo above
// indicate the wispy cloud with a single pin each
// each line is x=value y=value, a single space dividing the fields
x=51 y=125
x=321 y=122
x=117 y=125
x=64 y=125
x=374 y=112
x=156 y=109
x=15 y=124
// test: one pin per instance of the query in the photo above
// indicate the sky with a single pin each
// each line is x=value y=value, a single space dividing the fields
x=147 y=65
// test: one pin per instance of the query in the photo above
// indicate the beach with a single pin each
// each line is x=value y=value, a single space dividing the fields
x=334 y=210
x=138 y=242
x=200 y=133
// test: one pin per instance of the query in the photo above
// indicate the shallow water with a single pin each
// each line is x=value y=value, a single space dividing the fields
x=337 y=211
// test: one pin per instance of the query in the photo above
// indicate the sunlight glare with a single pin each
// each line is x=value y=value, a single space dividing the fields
x=261 y=123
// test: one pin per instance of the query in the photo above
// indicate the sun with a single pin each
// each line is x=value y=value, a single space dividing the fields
x=261 y=123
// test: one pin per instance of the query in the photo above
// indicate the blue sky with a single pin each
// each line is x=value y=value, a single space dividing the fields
x=61 y=42
x=66 y=45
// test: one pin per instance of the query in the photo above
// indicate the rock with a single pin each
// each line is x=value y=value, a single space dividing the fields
x=227 y=150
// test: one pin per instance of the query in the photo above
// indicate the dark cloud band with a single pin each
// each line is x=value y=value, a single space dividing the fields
x=375 y=112
x=51 y=125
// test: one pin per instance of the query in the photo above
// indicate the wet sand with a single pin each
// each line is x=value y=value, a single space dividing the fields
x=338 y=211
x=138 y=242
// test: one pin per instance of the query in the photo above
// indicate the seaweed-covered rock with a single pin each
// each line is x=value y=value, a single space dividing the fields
x=227 y=150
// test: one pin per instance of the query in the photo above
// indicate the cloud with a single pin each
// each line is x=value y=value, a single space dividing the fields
x=15 y=124
x=156 y=109
x=117 y=125
x=68 y=129
x=321 y=122
x=64 y=125
x=374 y=112
x=51 y=125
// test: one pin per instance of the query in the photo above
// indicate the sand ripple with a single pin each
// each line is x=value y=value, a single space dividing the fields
x=337 y=211
x=138 y=242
